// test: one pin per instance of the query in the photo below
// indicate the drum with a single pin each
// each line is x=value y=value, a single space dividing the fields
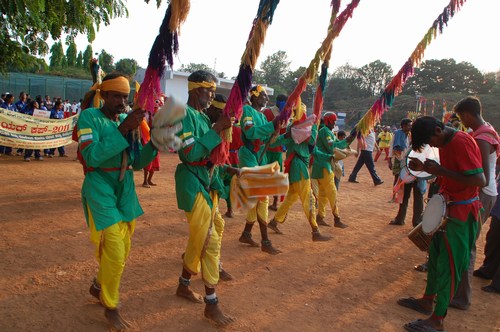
x=427 y=152
x=257 y=182
x=433 y=219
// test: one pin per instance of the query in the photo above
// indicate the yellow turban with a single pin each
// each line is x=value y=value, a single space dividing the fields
x=257 y=91
x=119 y=84
x=218 y=104
x=204 y=84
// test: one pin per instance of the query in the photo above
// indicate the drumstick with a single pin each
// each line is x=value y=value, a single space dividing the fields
x=273 y=136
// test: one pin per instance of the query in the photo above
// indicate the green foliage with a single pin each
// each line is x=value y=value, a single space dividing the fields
x=275 y=69
x=56 y=55
x=71 y=52
x=106 y=62
x=127 y=67
x=446 y=76
x=26 y=25
x=374 y=77
x=87 y=56
x=192 y=67
x=79 y=60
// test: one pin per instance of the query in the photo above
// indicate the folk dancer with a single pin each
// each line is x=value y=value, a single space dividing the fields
x=109 y=199
x=198 y=191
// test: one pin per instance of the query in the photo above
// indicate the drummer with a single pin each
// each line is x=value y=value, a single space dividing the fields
x=460 y=175
x=399 y=146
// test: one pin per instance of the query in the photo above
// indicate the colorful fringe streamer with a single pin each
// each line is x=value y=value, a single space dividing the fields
x=323 y=54
x=164 y=47
x=386 y=99
x=243 y=83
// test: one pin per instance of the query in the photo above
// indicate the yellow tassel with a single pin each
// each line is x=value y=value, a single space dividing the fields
x=179 y=11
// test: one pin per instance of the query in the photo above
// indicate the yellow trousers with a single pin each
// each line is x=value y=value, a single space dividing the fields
x=205 y=236
x=296 y=190
x=259 y=211
x=327 y=192
x=112 y=247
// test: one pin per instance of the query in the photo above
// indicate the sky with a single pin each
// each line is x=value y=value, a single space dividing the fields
x=216 y=31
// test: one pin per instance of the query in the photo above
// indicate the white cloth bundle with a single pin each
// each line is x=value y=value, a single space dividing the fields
x=302 y=131
x=166 y=123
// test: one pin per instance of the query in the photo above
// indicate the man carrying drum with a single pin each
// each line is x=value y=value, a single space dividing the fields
x=460 y=176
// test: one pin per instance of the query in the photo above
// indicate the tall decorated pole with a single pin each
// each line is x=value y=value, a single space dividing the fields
x=243 y=82
x=386 y=99
x=162 y=52
x=322 y=54
x=335 y=31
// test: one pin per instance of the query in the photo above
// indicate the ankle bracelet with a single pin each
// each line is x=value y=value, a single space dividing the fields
x=212 y=301
x=184 y=281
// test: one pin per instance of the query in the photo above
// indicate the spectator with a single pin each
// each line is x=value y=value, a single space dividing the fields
x=32 y=106
x=57 y=113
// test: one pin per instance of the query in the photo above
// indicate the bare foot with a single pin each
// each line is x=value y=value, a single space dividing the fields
x=151 y=183
x=213 y=312
x=229 y=214
x=95 y=290
x=189 y=294
x=115 y=320
x=224 y=275
x=267 y=246
x=273 y=207
x=321 y=221
x=318 y=237
x=145 y=185
x=247 y=238
x=273 y=224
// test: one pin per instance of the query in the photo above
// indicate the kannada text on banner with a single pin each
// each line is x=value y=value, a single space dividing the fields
x=24 y=131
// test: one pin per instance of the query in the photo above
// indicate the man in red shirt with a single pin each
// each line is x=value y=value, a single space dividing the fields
x=460 y=176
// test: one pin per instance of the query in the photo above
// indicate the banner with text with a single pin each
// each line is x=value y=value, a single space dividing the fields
x=24 y=131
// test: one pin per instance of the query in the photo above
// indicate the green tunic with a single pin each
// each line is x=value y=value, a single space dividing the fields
x=323 y=152
x=255 y=132
x=192 y=175
x=101 y=146
x=301 y=155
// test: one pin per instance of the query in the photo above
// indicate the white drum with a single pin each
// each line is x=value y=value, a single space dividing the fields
x=433 y=219
x=434 y=215
x=427 y=152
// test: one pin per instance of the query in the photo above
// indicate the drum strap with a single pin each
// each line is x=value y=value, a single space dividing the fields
x=467 y=201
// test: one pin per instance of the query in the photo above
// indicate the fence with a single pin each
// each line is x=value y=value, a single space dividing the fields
x=54 y=86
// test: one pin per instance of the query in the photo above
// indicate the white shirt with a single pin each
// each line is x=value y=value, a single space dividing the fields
x=370 y=141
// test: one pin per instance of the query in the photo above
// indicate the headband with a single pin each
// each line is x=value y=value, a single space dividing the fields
x=218 y=104
x=257 y=91
x=204 y=84
x=119 y=84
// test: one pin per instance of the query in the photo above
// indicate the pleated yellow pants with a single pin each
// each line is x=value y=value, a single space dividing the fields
x=205 y=237
x=300 y=189
x=112 y=247
x=327 y=193
x=260 y=210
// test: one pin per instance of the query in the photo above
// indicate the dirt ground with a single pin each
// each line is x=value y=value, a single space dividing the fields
x=348 y=284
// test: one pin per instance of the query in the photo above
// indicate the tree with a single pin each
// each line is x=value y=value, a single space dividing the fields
x=79 y=60
x=26 y=25
x=71 y=54
x=374 y=77
x=56 y=55
x=192 y=67
x=127 y=67
x=106 y=62
x=275 y=69
x=88 y=54
x=445 y=76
